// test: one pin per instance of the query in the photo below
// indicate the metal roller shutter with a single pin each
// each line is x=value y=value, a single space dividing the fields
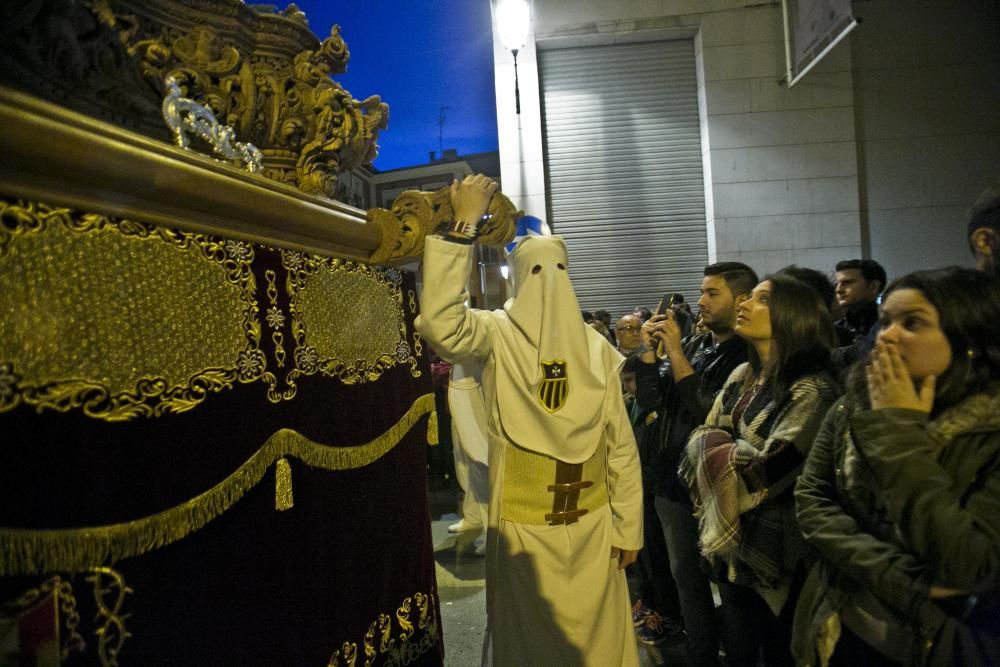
x=624 y=170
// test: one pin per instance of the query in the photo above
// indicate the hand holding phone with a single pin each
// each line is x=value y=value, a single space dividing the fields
x=665 y=303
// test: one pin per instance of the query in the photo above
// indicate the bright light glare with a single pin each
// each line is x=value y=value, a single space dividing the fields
x=504 y=271
x=512 y=23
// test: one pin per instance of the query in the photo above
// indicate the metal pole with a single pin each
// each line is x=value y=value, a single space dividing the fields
x=517 y=88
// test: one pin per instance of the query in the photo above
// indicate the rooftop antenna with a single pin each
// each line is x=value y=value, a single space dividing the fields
x=441 y=111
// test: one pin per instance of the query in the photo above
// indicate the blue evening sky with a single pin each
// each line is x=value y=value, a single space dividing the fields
x=418 y=55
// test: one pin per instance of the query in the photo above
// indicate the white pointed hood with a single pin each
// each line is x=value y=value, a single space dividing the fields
x=548 y=328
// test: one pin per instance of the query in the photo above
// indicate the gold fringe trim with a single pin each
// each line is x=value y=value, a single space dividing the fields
x=432 y=428
x=30 y=552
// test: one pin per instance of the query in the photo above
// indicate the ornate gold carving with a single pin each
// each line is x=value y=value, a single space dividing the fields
x=415 y=215
x=399 y=650
x=185 y=116
x=266 y=75
x=333 y=306
x=308 y=127
x=61 y=157
x=109 y=594
x=28 y=552
x=66 y=605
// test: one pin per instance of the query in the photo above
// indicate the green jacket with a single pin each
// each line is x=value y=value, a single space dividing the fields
x=894 y=504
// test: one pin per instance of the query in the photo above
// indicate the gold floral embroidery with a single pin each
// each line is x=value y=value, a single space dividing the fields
x=346 y=318
x=275 y=318
x=100 y=314
x=92 y=327
x=25 y=552
x=401 y=649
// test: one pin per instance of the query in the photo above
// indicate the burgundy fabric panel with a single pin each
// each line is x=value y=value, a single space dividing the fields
x=255 y=585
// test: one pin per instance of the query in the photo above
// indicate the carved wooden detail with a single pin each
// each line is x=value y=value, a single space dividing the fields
x=415 y=215
x=265 y=75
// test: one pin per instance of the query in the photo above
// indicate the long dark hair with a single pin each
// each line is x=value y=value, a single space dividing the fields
x=802 y=334
x=968 y=306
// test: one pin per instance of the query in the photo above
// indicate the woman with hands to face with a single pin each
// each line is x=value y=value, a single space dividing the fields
x=901 y=491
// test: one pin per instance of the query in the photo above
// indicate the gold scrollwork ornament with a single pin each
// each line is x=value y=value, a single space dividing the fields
x=109 y=594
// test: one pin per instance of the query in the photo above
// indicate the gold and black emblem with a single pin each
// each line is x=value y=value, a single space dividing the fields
x=554 y=389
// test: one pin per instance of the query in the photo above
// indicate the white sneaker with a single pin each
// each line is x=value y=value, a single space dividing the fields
x=462 y=526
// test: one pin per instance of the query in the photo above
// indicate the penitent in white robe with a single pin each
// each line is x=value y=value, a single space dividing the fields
x=554 y=593
x=469 y=442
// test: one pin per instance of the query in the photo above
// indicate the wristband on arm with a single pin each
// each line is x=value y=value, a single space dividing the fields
x=461 y=231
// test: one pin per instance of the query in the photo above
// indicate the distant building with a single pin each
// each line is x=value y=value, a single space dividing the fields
x=368 y=187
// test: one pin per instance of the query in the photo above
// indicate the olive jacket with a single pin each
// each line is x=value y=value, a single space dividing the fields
x=895 y=504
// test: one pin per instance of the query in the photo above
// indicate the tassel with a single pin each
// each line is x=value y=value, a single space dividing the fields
x=283 y=485
x=432 y=428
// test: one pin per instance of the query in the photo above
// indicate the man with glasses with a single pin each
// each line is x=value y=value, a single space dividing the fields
x=627 y=333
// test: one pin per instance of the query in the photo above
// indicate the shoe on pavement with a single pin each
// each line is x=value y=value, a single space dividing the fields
x=463 y=526
x=657 y=630
x=640 y=613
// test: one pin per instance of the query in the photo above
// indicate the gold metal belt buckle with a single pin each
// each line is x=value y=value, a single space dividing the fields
x=570 y=516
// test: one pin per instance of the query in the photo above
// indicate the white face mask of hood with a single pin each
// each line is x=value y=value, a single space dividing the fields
x=550 y=368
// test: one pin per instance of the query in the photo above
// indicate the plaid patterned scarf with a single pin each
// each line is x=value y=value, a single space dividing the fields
x=740 y=485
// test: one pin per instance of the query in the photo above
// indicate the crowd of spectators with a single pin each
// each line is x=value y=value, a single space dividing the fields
x=826 y=455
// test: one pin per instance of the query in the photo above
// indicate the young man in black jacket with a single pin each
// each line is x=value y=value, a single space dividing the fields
x=678 y=379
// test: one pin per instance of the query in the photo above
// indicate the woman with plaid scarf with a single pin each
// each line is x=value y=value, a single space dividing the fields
x=741 y=466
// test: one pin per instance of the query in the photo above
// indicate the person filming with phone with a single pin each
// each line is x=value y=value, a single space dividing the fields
x=681 y=390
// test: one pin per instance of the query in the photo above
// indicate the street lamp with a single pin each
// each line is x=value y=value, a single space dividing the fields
x=513 y=17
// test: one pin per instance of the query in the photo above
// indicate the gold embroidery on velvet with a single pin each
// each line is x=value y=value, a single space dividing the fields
x=26 y=552
x=121 y=319
x=109 y=594
x=275 y=318
x=347 y=319
x=66 y=605
x=413 y=301
x=418 y=346
x=422 y=604
x=283 y=498
x=350 y=650
x=399 y=650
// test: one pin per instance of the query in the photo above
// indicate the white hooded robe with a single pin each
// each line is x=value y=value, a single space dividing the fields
x=554 y=593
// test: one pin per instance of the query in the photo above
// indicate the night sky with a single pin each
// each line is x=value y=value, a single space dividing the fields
x=418 y=55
